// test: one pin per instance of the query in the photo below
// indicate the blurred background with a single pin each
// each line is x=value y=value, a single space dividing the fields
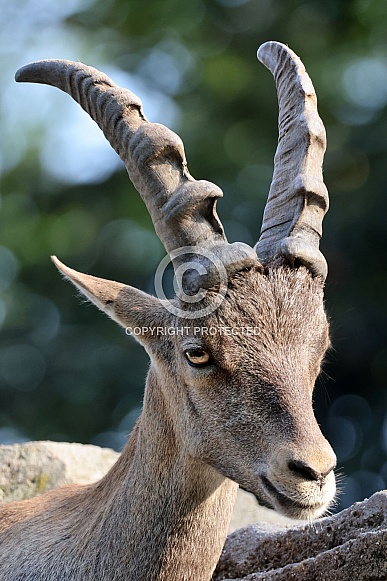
x=69 y=373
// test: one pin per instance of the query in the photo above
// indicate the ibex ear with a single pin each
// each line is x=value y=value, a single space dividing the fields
x=125 y=304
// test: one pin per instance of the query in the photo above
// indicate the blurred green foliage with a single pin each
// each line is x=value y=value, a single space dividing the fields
x=66 y=371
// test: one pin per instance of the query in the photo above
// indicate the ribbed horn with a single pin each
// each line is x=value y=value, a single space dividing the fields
x=298 y=198
x=182 y=209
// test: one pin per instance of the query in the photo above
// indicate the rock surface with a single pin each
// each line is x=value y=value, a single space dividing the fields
x=32 y=468
x=349 y=546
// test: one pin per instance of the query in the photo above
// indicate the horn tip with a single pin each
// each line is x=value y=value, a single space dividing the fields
x=267 y=47
x=21 y=74
x=29 y=73
x=272 y=51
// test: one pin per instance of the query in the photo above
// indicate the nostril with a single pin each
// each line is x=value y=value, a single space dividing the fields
x=304 y=470
x=307 y=472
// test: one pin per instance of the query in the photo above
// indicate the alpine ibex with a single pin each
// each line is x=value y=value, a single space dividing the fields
x=221 y=409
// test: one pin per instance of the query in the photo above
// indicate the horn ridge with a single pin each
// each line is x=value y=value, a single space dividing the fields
x=155 y=160
x=298 y=197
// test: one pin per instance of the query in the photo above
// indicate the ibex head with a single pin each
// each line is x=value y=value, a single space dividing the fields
x=235 y=378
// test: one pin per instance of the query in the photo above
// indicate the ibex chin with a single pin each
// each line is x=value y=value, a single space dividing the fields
x=221 y=408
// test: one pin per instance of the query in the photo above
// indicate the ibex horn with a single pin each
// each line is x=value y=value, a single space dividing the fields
x=183 y=210
x=298 y=198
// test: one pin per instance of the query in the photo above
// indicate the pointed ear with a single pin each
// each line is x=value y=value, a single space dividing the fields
x=128 y=306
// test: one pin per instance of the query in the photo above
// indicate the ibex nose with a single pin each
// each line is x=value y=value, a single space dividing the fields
x=308 y=472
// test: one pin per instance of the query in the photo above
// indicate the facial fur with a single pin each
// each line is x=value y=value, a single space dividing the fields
x=250 y=407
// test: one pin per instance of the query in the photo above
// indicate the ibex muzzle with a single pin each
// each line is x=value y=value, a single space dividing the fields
x=228 y=398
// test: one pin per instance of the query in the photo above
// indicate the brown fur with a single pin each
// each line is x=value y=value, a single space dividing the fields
x=163 y=510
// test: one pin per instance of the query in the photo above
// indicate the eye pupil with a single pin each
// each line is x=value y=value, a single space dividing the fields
x=197 y=357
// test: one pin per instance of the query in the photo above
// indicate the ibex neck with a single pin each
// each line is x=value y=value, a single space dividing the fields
x=177 y=509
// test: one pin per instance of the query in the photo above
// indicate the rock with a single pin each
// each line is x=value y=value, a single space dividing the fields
x=32 y=468
x=349 y=546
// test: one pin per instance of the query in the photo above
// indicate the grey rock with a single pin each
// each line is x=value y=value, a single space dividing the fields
x=32 y=468
x=348 y=546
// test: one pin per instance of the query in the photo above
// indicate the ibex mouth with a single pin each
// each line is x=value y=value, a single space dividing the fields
x=291 y=507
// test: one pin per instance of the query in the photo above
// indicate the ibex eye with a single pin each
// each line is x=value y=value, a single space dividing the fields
x=197 y=357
